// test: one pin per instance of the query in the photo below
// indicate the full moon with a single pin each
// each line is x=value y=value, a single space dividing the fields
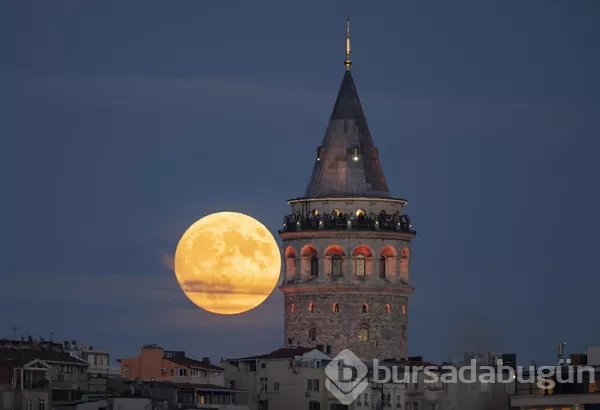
x=227 y=263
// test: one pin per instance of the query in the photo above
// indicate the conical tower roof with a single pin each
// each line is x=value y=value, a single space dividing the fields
x=347 y=162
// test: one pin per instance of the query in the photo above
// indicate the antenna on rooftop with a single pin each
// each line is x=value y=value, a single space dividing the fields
x=560 y=350
x=348 y=61
x=14 y=329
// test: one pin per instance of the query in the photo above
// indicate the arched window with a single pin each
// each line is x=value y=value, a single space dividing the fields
x=312 y=334
x=336 y=265
x=360 y=265
x=336 y=308
x=314 y=265
x=387 y=308
x=311 y=307
x=404 y=309
x=290 y=263
x=360 y=212
x=365 y=308
x=363 y=336
x=314 y=405
x=387 y=262
x=336 y=212
x=293 y=308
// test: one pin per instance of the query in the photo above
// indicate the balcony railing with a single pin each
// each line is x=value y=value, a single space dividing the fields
x=343 y=222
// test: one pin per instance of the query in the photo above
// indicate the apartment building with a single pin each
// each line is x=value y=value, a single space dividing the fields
x=473 y=393
x=288 y=378
x=168 y=395
x=36 y=374
x=576 y=384
x=156 y=363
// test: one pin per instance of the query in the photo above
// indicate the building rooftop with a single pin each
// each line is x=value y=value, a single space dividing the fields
x=178 y=385
x=347 y=163
x=44 y=353
x=186 y=361
x=283 y=353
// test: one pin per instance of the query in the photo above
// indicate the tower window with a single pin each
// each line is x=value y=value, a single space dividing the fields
x=336 y=265
x=336 y=308
x=360 y=265
x=311 y=307
x=382 y=267
x=404 y=309
x=312 y=334
x=314 y=265
x=363 y=336
x=320 y=153
x=365 y=308
x=293 y=308
x=355 y=153
x=387 y=309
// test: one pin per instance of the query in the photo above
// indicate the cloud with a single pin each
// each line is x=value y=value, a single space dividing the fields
x=137 y=302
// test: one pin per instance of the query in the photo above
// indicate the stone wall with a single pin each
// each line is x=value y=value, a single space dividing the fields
x=341 y=329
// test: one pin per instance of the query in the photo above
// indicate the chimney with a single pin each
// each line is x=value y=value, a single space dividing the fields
x=321 y=348
x=206 y=360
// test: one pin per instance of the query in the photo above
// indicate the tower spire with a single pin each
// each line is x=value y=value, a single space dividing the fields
x=348 y=61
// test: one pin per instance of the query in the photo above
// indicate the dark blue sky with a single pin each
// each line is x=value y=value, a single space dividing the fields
x=124 y=122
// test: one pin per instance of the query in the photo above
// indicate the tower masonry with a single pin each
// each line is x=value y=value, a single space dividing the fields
x=346 y=244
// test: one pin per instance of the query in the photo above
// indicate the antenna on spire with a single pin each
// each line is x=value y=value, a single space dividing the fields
x=348 y=61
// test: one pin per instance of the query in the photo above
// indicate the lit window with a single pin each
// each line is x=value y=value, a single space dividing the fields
x=360 y=212
x=293 y=308
x=387 y=308
x=311 y=308
x=360 y=265
x=403 y=309
x=364 y=334
x=365 y=308
x=355 y=153
x=336 y=308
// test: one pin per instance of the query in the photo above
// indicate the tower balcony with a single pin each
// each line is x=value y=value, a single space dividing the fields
x=342 y=222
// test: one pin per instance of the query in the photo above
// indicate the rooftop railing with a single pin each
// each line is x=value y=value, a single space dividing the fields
x=388 y=223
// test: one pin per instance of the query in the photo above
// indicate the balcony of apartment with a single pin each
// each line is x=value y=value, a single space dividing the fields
x=399 y=223
x=32 y=381
x=104 y=370
x=213 y=399
x=67 y=381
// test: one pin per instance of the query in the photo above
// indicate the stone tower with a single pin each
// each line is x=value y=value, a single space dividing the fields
x=346 y=244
